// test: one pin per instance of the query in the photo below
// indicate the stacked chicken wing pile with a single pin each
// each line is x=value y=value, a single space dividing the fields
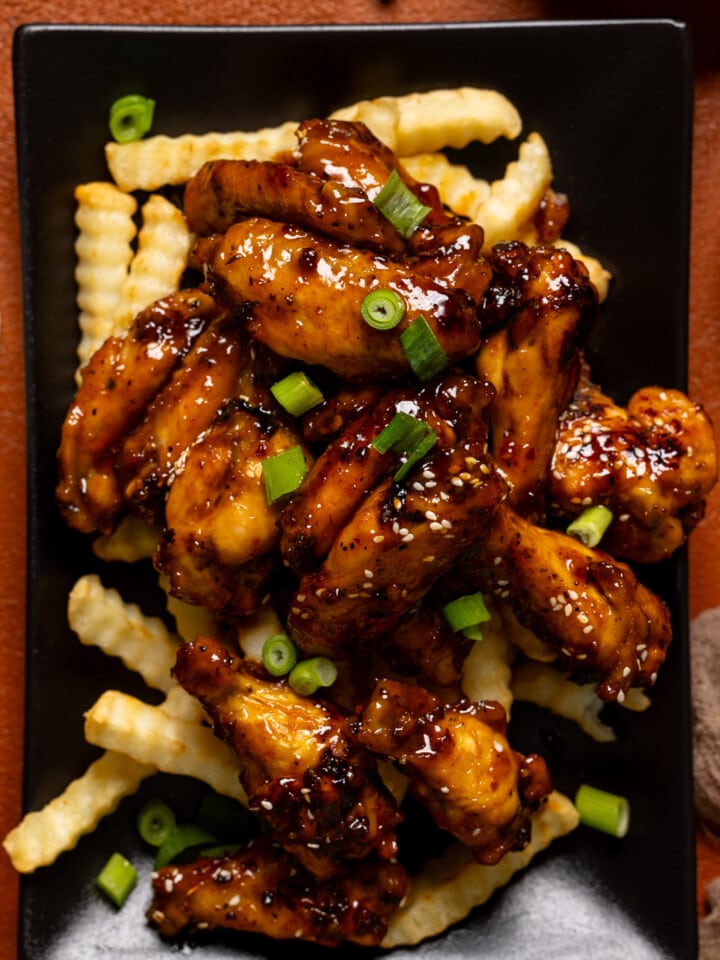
x=174 y=421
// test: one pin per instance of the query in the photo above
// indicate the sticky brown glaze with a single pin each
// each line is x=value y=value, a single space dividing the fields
x=547 y=306
x=220 y=530
x=460 y=765
x=225 y=191
x=423 y=645
x=349 y=153
x=119 y=382
x=326 y=421
x=301 y=297
x=262 y=890
x=652 y=463
x=401 y=539
x=351 y=466
x=318 y=793
x=590 y=609
x=204 y=383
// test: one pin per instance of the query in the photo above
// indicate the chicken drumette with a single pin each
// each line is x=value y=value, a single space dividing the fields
x=318 y=792
x=262 y=890
x=460 y=765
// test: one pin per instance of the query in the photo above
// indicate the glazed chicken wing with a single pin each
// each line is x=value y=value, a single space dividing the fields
x=262 y=890
x=319 y=793
x=545 y=303
x=351 y=466
x=400 y=541
x=203 y=384
x=225 y=191
x=301 y=296
x=460 y=765
x=118 y=384
x=220 y=529
x=587 y=607
x=652 y=463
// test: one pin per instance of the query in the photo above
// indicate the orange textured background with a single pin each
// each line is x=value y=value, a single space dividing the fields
x=704 y=19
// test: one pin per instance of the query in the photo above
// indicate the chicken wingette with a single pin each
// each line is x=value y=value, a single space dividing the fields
x=262 y=890
x=587 y=607
x=459 y=763
x=118 y=383
x=545 y=305
x=318 y=792
x=301 y=295
x=651 y=463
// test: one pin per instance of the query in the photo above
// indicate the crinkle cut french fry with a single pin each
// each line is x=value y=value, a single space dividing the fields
x=549 y=687
x=457 y=186
x=515 y=197
x=106 y=230
x=41 y=836
x=101 y=618
x=486 y=671
x=122 y=723
x=599 y=274
x=448 y=888
x=159 y=161
x=130 y=541
x=429 y=121
x=254 y=631
x=191 y=620
x=163 y=246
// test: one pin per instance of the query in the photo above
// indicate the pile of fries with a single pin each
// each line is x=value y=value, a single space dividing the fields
x=120 y=270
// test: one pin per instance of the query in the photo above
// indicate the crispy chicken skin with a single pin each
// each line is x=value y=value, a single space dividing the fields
x=350 y=467
x=460 y=765
x=119 y=382
x=652 y=463
x=262 y=890
x=423 y=645
x=301 y=295
x=318 y=792
x=547 y=305
x=587 y=607
x=203 y=384
x=225 y=191
x=401 y=539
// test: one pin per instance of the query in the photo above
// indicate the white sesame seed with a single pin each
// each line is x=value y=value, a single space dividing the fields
x=497 y=561
x=498 y=746
x=476 y=831
x=378 y=539
x=484 y=468
x=568 y=609
x=233 y=901
x=444 y=789
x=435 y=525
x=447 y=524
x=626 y=672
x=588 y=628
x=408 y=538
x=583 y=618
x=369 y=574
x=457 y=482
x=587 y=501
x=368 y=585
x=430 y=558
x=572 y=594
x=621 y=697
x=430 y=515
x=266 y=804
x=169 y=885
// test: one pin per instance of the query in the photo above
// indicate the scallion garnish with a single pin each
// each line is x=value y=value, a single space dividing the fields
x=602 y=810
x=117 y=878
x=154 y=822
x=309 y=675
x=183 y=838
x=131 y=117
x=590 y=526
x=297 y=393
x=400 y=206
x=466 y=613
x=382 y=309
x=279 y=655
x=284 y=472
x=422 y=349
x=407 y=436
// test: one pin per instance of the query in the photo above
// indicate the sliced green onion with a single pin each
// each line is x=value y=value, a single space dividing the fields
x=382 y=309
x=422 y=349
x=154 y=822
x=183 y=838
x=591 y=525
x=465 y=613
x=117 y=878
x=400 y=206
x=131 y=117
x=297 y=393
x=602 y=810
x=407 y=436
x=309 y=675
x=284 y=472
x=279 y=655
